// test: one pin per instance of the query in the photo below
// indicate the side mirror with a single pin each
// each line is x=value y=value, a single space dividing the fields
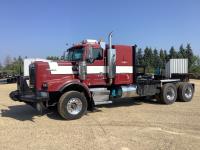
x=65 y=55
x=90 y=57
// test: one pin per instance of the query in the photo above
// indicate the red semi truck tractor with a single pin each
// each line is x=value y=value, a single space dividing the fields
x=91 y=70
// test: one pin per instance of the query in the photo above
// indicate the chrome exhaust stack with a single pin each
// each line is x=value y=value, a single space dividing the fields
x=110 y=40
x=111 y=60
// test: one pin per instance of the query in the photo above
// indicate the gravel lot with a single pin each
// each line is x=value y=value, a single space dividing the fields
x=124 y=125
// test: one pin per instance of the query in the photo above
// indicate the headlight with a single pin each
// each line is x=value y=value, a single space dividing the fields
x=43 y=94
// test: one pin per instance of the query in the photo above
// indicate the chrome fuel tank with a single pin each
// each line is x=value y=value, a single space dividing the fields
x=129 y=91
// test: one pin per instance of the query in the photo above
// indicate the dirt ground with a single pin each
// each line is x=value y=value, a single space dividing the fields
x=124 y=125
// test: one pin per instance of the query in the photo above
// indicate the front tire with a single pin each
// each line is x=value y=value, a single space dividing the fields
x=168 y=93
x=72 y=105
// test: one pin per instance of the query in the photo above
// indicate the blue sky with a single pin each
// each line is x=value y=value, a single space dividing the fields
x=37 y=28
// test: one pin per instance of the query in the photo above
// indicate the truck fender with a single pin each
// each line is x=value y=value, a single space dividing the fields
x=78 y=86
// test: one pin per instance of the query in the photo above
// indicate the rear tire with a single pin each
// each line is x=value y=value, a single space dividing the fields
x=168 y=93
x=185 y=92
x=72 y=105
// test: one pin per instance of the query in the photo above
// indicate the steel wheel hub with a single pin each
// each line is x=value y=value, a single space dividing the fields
x=188 y=92
x=170 y=94
x=74 y=106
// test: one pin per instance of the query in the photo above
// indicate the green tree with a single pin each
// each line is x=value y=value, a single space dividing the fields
x=1 y=67
x=151 y=56
x=166 y=56
x=148 y=57
x=189 y=55
x=162 y=58
x=53 y=58
x=172 y=53
x=182 y=52
x=13 y=65
x=7 y=61
x=156 y=59
x=20 y=65
x=139 y=57
x=195 y=68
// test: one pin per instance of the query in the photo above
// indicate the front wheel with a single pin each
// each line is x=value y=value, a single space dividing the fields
x=168 y=93
x=72 y=105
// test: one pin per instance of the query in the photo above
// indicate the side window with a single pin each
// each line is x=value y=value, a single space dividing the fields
x=98 y=53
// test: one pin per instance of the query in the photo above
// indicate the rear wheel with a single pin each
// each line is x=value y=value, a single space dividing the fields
x=72 y=105
x=168 y=93
x=185 y=92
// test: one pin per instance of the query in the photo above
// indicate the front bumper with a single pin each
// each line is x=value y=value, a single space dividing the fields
x=25 y=94
x=18 y=96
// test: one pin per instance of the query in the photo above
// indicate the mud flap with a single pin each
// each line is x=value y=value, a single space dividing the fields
x=39 y=107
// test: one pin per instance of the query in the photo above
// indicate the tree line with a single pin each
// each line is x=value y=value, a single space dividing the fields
x=12 y=65
x=153 y=58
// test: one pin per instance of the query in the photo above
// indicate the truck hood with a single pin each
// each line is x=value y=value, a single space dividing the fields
x=55 y=67
x=54 y=73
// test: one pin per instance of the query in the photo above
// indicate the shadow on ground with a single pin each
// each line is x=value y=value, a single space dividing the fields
x=129 y=102
x=26 y=112
x=19 y=112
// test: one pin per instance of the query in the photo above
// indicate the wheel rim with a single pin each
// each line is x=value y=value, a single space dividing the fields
x=74 y=106
x=188 y=92
x=170 y=94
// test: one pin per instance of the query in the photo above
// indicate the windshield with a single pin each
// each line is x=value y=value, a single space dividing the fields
x=74 y=54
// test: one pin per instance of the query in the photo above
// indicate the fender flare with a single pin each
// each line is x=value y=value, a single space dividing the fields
x=83 y=88
x=77 y=84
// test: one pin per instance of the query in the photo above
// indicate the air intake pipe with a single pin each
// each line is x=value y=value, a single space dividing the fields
x=110 y=40
x=111 y=59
